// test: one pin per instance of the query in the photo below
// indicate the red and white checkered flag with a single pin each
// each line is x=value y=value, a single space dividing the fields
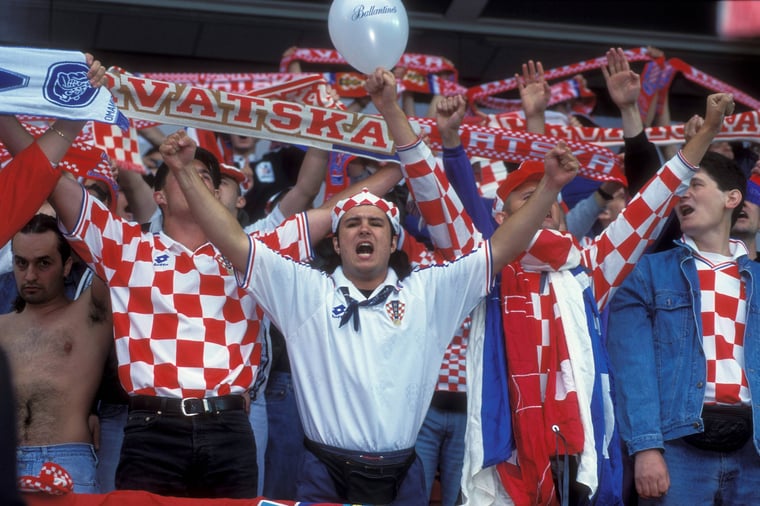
x=120 y=146
x=53 y=479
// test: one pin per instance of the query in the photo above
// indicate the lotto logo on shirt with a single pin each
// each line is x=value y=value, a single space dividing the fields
x=161 y=261
x=338 y=311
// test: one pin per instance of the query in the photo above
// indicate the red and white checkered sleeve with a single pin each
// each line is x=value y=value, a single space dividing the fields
x=290 y=239
x=613 y=254
x=451 y=228
x=419 y=255
x=103 y=240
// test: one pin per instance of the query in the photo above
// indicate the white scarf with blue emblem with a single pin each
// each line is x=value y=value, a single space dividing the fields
x=53 y=83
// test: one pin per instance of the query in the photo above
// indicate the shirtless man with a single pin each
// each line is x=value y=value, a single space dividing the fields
x=57 y=349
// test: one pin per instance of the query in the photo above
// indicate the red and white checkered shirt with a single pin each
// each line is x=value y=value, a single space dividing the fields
x=183 y=327
x=724 y=316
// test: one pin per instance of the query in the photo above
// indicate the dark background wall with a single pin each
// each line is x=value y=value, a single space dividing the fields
x=486 y=39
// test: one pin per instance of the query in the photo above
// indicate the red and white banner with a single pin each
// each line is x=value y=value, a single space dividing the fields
x=324 y=128
x=255 y=116
x=476 y=93
x=742 y=126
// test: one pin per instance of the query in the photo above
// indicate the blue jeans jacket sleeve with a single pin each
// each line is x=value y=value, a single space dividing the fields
x=631 y=345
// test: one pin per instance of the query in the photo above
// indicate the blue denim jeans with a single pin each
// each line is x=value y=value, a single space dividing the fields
x=113 y=418
x=78 y=459
x=440 y=445
x=258 y=419
x=314 y=483
x=210 y=455
x=285 y=443
x=701 y=477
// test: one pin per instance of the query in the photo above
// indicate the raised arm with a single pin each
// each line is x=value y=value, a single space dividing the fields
x=515 y=234
x=219 y=225
x=310 y=178
x=381 y=85
x=449 y=113
x=450 y=227
x=624 y=86
x=27 y=184
x=719 y=105
x=608 y=263
x=138 y=193
x=534 y=96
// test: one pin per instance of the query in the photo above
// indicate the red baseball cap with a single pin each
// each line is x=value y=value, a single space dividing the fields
x=232 y=172
x=529 y=170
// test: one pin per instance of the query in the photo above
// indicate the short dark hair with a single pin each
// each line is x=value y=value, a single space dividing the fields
x=204 y=156
x=41 y=223
x=727 y=175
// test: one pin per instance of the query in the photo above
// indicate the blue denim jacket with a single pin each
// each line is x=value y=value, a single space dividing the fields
x=655 y=347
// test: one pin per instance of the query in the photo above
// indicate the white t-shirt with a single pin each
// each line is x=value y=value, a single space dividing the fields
x=367 y=390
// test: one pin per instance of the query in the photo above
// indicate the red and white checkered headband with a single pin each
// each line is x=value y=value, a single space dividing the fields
x=366 y=198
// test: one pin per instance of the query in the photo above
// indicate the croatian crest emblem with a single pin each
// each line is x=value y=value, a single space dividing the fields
x=66 y=85
x=395 y=310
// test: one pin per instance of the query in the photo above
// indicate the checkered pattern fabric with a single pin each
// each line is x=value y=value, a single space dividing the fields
x=453 y=377
x=613 y=254
x=120 y=146
x=453 y=234
x=492 y=173
x=450 y=228
x=81 y=159
x=53 y=479
x=182 y=326
x=556 y=251
x=419 y=255
x=724 y=311
x=364 y=198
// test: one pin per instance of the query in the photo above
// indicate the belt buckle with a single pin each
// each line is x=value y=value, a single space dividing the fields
x=204 y=402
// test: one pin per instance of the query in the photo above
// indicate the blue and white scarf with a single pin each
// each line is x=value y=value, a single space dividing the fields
x=53 y=83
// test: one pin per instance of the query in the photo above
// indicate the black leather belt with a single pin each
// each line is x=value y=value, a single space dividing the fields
x=189 y=406
x=450 y=401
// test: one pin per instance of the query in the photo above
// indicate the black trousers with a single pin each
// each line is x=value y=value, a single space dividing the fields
x=209 y=455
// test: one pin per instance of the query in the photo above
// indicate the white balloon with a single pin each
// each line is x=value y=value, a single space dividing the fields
x=369 y=33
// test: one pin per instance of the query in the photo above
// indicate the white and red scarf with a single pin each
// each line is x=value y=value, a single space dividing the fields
x=566 y=367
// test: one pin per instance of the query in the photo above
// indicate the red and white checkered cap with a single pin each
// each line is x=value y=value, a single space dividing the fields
x=366 y=198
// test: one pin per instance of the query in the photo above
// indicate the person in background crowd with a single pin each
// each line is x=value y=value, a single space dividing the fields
x=748 y=222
